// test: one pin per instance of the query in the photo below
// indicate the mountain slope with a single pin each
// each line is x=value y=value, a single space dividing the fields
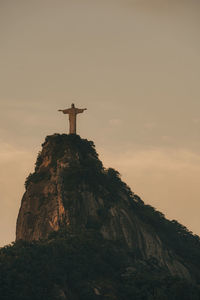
x=83 y=265
x=71 y=189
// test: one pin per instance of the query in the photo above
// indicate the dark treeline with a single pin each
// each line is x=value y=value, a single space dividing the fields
x=84 y=266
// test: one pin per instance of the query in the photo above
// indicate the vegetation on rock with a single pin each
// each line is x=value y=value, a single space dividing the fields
x=84 y=266
x=76 y=262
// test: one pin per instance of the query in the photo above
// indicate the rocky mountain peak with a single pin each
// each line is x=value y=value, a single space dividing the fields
x=70 y=188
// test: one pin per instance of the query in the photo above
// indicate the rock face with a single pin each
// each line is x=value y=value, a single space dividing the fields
x=70 y=188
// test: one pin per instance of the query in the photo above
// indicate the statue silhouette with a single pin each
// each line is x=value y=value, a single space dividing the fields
x=72 y=112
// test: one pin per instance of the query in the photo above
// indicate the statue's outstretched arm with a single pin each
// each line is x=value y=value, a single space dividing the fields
x=79 y=110
x=65 y=111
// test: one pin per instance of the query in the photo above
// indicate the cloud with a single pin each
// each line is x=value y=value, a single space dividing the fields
x=158 y=158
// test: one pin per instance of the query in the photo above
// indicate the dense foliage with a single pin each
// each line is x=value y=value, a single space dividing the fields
x=83 y=266
x=173 y=234
x=84 y=167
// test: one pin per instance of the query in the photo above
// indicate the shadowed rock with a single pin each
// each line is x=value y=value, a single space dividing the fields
x=71 y=188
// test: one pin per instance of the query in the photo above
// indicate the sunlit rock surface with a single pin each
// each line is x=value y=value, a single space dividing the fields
x=71 y=188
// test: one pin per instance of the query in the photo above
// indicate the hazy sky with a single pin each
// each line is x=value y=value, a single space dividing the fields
x=134 y=64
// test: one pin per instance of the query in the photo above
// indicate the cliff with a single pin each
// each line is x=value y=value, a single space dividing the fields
x=71 y=189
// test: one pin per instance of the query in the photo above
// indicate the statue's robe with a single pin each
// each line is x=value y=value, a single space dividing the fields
x=72 y=112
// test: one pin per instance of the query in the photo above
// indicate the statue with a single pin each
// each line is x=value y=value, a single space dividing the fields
x=72 y=112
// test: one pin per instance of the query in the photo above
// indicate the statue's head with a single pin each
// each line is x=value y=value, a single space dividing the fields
x=73 y=106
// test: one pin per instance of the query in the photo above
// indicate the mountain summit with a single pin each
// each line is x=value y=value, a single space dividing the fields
x=82 y=234
x=70 y=189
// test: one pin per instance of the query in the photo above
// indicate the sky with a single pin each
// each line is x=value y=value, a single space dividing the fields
x=134 y=64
